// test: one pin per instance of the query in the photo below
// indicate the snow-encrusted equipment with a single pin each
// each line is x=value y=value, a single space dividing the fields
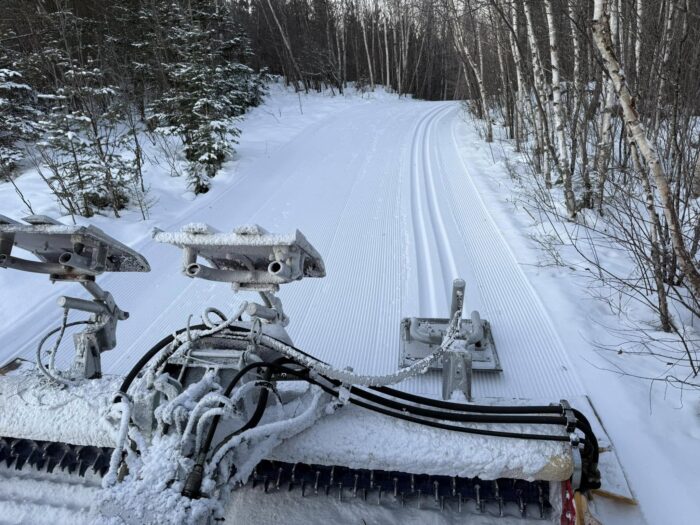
x=473 y=348
x=231 y=405
x=73 y=254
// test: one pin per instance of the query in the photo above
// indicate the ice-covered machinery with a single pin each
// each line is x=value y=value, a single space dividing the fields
x=73 y=254
x=232 y=404
x=473 y=347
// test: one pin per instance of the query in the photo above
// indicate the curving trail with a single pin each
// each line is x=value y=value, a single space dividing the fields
x=382 y=192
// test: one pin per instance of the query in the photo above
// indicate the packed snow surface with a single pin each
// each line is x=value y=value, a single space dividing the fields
x=33 y=408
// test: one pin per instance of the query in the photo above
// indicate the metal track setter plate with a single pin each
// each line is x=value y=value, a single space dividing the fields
x=484 y=355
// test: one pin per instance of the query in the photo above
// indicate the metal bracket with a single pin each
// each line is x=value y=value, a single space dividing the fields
x=78 y=254
x=271 y=312
x=249 y=258
x=472 y=350
x=421 y=336
x=457 y=372
x=64 y=252
x=101 y=334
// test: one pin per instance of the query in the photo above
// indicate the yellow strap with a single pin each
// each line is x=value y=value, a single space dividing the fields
x=615 y=497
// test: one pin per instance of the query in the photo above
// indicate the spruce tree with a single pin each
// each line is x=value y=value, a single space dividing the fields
x=18 y=113
x=208 y=88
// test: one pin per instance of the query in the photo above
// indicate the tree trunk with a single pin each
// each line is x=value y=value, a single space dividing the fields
x=386 y=50
x=468 y=58
x=558 y=111
x=638 y=43
x=288 y=47
x=542 y=95
x=367 y=51
x=637 y=138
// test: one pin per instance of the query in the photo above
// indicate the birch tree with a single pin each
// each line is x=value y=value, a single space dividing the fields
x=558 y=112
x=637 y=138
x=469 y=59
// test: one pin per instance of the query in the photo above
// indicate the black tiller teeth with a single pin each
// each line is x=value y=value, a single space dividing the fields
x=47 y=455
x=527 y=498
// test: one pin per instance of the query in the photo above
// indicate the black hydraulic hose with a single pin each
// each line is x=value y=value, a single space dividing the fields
x=415 y=419
x=590 y=442
x=462 y=407
x=262 y=400
x=591 y=448
x=303 y=374
x=271 y=367
x=584 y=425
x=590 y=475
x=466 y=412
x=466 y=430
x=145 y=358
x=465 y=407
x=458 y=416
x=590 y=463
x=257 y=415
x=193 y=483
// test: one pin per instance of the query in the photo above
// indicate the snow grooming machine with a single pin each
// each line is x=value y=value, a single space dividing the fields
x=232 y=405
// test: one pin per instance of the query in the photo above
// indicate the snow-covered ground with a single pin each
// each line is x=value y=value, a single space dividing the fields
x=400 y=197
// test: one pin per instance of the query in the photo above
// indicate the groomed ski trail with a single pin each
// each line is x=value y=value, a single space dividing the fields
x=383 y=193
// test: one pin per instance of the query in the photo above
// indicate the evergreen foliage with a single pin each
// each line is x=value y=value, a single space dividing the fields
x=17 y=113
x=80 y=82
x=207 y=88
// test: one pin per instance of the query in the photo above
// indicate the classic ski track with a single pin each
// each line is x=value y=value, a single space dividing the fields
x=382 y=265
x=446 y=255
x=543 y=368
x=428 y=224
x=425 y=272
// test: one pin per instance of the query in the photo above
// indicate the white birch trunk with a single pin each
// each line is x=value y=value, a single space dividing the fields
x=605 y=144
x=505 y=88
x=666 y=47
x=540 y=87
x=638 y=42
x=363 y=26
x=558 y=111
x=638 y=139
x=578 y=100
x=521 y=96
x=467 y=56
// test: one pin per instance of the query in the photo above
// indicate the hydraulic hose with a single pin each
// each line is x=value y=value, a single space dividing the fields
x=464 y=407
x=145 y=358
x=407 y=416
x=461 y=407
x=466 y=430
x=42 y=368
x=398 y=411
x=420 y=410
x=461 y=417
x=193 y=483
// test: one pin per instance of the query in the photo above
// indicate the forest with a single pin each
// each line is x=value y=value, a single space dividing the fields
x=601 y=97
